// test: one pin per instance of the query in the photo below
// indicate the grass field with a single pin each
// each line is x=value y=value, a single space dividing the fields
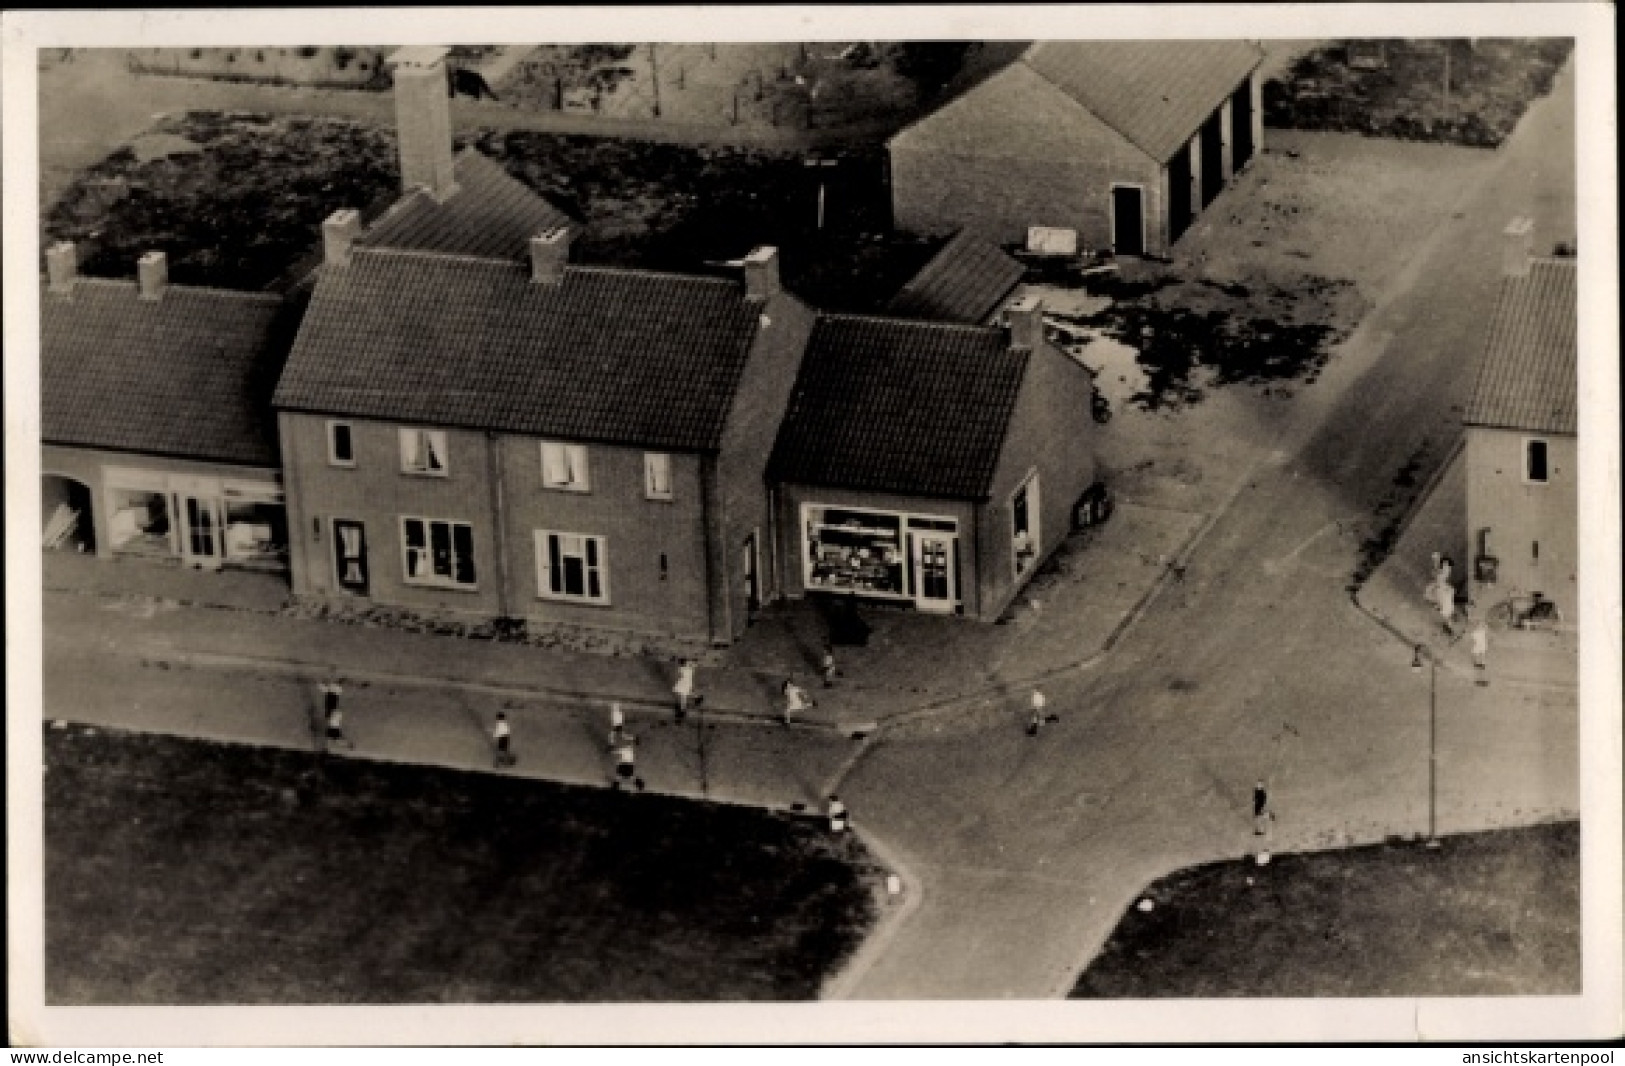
x=1487 y=914
x=185 y=872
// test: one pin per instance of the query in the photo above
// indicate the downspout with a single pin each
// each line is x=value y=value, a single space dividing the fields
x=716 y=553
x=299 y=568
x=495 y=467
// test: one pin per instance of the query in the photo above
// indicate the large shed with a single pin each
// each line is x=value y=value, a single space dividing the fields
x=1124 y=141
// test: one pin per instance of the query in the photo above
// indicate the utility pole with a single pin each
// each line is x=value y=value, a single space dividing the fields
x=1433 y=738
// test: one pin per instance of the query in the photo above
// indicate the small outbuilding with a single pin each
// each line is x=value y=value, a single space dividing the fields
x=1125 y=142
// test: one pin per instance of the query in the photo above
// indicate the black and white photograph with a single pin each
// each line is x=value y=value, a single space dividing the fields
x=1076 y=524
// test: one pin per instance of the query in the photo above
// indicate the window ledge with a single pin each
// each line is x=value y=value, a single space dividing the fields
x=579 y=601
x=443 y=585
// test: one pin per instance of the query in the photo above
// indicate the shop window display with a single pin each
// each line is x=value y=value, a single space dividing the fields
x=857 y=551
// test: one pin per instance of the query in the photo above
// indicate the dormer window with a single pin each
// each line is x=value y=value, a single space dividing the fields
x=564 y=466
x=423 y=451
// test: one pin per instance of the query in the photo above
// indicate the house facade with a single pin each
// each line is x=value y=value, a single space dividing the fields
x=537 y=440
x=157 y=437
x=1125 y=142
x=929 y=464
x=1522 y=445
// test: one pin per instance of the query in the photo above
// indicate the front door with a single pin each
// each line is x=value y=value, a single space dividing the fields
x=1128 y=220
x=350 y=555
x=934 y=571
x=200 y=531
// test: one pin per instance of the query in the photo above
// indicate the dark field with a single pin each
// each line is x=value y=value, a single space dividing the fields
x=1487 y=914
x=185 y=872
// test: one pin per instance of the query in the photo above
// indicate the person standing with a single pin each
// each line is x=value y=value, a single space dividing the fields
x=502 y=742
x=625 y=754
x=335 y=725
x=1039 y=705
x=1262 y=815
x=1480 y=644
x=1445 y=593
x=835 y=810
x=684 y=689
x=796 y=700
x=830 y=671
x=617 y=724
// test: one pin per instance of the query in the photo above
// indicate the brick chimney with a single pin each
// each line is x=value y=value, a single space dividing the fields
x=1519 y=244
x=339 y=232
x=762 y=273
x=62 y=266
x=152 y=275
x=1026 y=317
x=423 y=120
x=549 y=254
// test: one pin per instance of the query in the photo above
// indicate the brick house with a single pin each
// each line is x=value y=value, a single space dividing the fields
x=929 y=463
x=157 y=437
x=1123 y=141
x=536 y=439
x=1522 y=489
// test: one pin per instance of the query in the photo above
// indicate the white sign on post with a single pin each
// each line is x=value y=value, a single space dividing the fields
x=1048 y=240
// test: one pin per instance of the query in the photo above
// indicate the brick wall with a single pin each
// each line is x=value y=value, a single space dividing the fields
x=1520 y=514
x=753 y=424
x=1053 y=433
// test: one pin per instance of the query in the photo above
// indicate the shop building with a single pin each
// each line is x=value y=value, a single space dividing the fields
x=929 y=464
x=156 y=431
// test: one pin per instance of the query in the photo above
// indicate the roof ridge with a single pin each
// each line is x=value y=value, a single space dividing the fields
x=199 y=290
x=905 y=321
x=625 y=271
x=430 y=253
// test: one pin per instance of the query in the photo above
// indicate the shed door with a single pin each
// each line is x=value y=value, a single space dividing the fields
x=1179 y=193
x=1128 y=220
x=1241 y=126
x=1212 y=158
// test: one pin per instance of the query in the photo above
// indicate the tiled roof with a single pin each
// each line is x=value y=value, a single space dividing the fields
x=1155 y=93
x=618 y=356
x=888 y=405
x=186 y=375
x=1528 y=377
x=964 y=282
x=491 y=214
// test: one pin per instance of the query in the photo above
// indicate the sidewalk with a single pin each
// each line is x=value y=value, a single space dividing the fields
x=1393 y=596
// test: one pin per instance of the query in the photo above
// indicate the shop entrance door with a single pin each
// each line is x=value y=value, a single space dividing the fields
x=200 y=531
x=934 y=578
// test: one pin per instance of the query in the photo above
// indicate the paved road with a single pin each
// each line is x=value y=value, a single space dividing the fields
x=1029 y=849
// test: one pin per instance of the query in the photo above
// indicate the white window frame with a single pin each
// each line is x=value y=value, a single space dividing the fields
x=574 y=461
x=544 y=568
x=1546 y=445
x=433 y=580
x=409 y=438
x=654 y=462
x=1035 y=533
x=332 y=453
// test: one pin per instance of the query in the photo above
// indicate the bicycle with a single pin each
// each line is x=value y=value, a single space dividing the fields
x=1518 y=611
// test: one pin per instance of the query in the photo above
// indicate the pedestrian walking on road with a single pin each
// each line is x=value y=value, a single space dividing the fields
x=1480 y=643
x=1445 y=595
x=335 y=727
x=626 y=763
x=796 y=700
x=1262 y=815
x=1039 y=716
x=830 y=671
x=617 y=724
x=502 y=742
x=684 y=689
x=836 y=811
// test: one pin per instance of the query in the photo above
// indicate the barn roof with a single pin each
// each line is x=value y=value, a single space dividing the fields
x=1155 y=93
x=1528 y=378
